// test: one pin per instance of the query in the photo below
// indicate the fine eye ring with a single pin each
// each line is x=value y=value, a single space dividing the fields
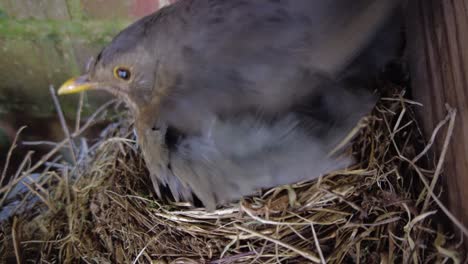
x=122 y=73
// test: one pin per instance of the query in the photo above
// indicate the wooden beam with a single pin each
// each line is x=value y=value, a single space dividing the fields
x=438 y=56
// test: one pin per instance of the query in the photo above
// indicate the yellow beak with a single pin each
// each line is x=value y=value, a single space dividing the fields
x=76 y=85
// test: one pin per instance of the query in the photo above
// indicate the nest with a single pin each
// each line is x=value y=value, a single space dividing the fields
x=385 y=209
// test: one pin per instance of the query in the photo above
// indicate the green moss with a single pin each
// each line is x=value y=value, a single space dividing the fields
x=3 y=15
x=96 y=32
x=38 y=53
x=74 y=8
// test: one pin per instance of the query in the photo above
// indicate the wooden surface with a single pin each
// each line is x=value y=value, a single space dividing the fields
x=438 y=55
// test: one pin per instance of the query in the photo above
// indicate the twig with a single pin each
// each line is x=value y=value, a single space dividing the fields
x=78 y=112
x=20 y=168
x=452 y=113
x=232 y=259
x=343 y=199
x=379 y=223
x=60 y=145
x=317 y=244
x=63 y=122
x=39 y=143
x=93 y=117
x=400 y=99
x=432 y=139
x=10 y=152
x=146 y=246
x=436 y=199
x=308 y=255
x=31 y=186
x=268 y=222
x=14 y=237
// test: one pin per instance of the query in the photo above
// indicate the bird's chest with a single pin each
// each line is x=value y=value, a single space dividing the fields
x=151 y=139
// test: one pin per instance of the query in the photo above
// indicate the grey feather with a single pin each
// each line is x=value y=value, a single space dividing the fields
x=243 y=155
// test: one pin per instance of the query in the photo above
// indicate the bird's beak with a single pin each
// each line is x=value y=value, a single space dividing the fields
x=76 y=85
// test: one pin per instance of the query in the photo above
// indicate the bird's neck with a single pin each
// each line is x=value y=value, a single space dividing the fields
x=146 y=116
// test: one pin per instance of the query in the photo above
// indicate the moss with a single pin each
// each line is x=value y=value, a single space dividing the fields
x=74 y=9
x=39 y=53
x=93 y=32
x=3 y=14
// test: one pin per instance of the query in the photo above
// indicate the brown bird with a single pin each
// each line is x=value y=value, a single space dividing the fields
x=231 y=96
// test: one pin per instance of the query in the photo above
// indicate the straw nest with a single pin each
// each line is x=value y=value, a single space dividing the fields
x=101 y=210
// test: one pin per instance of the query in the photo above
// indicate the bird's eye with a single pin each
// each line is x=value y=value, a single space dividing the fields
x=122 y=73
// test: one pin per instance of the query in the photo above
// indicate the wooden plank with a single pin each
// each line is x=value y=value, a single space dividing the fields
x=438 y=55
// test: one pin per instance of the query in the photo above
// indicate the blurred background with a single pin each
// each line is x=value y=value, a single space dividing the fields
x=45 y=42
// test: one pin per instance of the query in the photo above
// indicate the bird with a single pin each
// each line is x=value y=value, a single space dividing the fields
x=234 y=96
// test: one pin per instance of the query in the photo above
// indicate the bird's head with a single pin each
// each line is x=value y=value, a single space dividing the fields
x=126 y=68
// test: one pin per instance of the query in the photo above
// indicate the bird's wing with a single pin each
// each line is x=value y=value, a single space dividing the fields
x=157 y=159
x=267 y=56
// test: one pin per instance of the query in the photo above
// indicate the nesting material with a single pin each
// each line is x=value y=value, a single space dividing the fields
x=102 y=209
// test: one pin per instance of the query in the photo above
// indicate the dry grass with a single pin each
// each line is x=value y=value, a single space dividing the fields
x=382 y=210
